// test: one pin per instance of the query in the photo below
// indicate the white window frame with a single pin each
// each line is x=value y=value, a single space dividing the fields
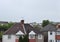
x=39 y=36
x=9 y=36
x=17 y=36
x=31 y=36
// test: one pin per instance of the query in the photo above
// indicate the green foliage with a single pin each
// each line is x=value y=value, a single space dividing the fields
x=45 y=22
x=36 y=25
x=20 y=39
x=4 y=27
x=1 y=34
x=24 y=38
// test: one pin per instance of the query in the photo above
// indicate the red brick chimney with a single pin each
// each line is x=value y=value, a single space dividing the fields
x=22 y=24
x=58 y=26
x=22 y=21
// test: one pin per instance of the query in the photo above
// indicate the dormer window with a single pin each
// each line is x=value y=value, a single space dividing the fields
x=19 y=33
x=32 y=35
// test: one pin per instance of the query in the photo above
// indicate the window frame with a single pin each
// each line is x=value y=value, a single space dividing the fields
x=58 y=40
x=51 y=40
x=39 y=36
x=51 y=33
x=9 y=36
x=31 y=36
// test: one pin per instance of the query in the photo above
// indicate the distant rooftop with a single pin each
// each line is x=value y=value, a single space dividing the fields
x=3 y=22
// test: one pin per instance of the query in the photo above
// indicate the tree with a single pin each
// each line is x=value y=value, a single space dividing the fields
x=1 y=33
x=4 y=27
x=36 y=25
x=45 y=22
x=24 y=38
x=20 y=39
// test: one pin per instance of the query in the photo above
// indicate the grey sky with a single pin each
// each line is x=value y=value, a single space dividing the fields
x=30 y=10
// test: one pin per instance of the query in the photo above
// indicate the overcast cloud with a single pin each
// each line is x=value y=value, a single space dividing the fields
x=30 y=10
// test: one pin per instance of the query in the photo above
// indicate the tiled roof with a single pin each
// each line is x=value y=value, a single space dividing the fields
x=16 y=27
x=49 y=27
x=4 y=22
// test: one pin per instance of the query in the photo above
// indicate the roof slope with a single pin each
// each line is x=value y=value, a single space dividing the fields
x=16 y=27
x=3 y=22
x=49 y=27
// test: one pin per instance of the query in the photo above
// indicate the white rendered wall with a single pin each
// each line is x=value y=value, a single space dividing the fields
x=51 y=37
x=5 y=38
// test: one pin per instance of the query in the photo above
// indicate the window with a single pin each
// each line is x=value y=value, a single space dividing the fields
x=31 y=36
x=58 y=40
x=50 y=40
x=18 y=36
x=58 y=33
x=39 y=36
x=50 y=33
x=9 y=36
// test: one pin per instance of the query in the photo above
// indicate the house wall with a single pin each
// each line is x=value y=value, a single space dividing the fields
x=57 y=33
x=32 y=40
x=5 y=38
x=51 y=37
x=40 y=39
x=58 y=36
x=37 y=39
x=15 y=39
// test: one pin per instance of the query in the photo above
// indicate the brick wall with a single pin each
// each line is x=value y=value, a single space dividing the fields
x=32 y=40
x=57 y=37
x=17 y=40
